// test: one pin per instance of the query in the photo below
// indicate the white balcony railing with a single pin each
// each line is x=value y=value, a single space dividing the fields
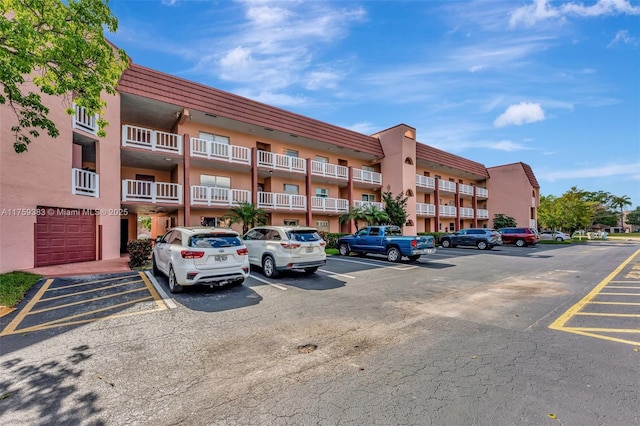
x=447 y=211
x=425 y=182
x=153 y=140
x=366 y=176
x=281 y=162
x=533 y=201
x=447 y=186
x=423 y=209
x=211 y=196
x=465 y=189
x=274 y=200
x=482 y=213
x=84 y=182
x=84 y=121
x=151 y=192
x=329 y=205
x=319 y=168
x=482 y=192
x=220 y=151
x=365 y=204
x=533 y=224
x=466 y=212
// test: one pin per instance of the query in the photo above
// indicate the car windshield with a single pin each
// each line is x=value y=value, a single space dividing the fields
x=214 y=240
x=303 y=236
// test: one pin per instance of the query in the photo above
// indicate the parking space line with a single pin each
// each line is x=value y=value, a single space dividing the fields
x=47 y=299
x=377 y=265
x=80 y=302
x=278 y=286
x=11 y=328
x=402 y=268
x=154 y=287
x=336 y=274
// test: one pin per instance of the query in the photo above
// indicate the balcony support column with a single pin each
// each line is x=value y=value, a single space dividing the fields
x=474 y=204
x=307 y=184
x=350 y=197
x=436 y=202
x=456 y=201
x=186 y=188
x=254 y=175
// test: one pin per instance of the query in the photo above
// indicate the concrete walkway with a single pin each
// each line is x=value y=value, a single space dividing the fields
x=84 y=268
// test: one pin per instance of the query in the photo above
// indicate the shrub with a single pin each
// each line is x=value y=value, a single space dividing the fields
x=139 y=252
x=331 y=238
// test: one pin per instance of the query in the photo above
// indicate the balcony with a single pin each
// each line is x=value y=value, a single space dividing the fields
x=151 y=192
x=218 y=197
x=329 y=205
x=211 y=150
x=425 y=183
x=366 y=176
x=466 y=213
x=533 y=224
x=319 y=168
x=83 y=121
x=447 y=186
x=272 y=200
x=423 y=209
x=281 y=162
x=447 y=211
x=364 y=204
x=482 y=213
x=465 y=191
x=152 y=140
x=482 y=192
x=84 y=182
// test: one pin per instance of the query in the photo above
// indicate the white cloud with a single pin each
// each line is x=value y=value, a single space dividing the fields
x=520 y=114
x=542 y=9
x=622 y=37
x=594 y=171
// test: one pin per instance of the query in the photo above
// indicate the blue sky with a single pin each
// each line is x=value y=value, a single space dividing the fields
x=554 y=84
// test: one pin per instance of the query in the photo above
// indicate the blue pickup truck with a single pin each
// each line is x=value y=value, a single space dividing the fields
x=386 y=240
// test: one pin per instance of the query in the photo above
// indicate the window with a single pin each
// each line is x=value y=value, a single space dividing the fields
x=290 y=189
x=321 y=159
x=368 y=169
x=369 y=197
x=215 y=181
x=214 y=138
x=290 y=222
x=451 y=226
x=322 y=225
x=290 y=152
x=322 y=192
x=217 y=222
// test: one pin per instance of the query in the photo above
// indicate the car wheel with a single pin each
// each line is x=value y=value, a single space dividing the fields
x=446 y=243
x=394 y=255
x=414 y=258
x=344 y=249
x=154 y=267
x=174 y=287
x=482 y=245
x=559 y=239
x=269 y=267
x=520 y=243
x=311 y=270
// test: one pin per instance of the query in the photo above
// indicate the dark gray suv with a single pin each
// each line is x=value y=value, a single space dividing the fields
x=483 y=238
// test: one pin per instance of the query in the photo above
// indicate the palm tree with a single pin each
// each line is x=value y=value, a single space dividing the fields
x=248 y=215
x=375 y=216
x=355 y=214
x=620 y=203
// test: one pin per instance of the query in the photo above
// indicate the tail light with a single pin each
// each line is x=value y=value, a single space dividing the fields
x=414 y=243
x=323 y=243
x=243 y=251
x=290 y=245
x=191 y=254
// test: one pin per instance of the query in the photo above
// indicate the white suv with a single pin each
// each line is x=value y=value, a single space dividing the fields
x=190 y=256
x=279 y=248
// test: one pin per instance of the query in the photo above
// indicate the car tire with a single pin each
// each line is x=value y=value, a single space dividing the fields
x=154 y=267
x=269 y=267
x=174 y=287
x=394 y=254
x=446 y=243
x=414 y=258
x=520 y=243
x=343 y=249
x=482 y=245
x=559 y=239
x=311 y=270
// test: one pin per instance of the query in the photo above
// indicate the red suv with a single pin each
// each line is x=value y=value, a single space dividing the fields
x=519 y=236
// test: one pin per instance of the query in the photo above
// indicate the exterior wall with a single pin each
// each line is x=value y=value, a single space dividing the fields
x=511 y=193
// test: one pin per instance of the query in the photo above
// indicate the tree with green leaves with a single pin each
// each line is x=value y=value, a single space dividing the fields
x=248 y=215
x=395 y=207
x=633 y=218
x=354 y=214
x=59 y=46
x=374 y=216
x=501 y=220
x=620 y=203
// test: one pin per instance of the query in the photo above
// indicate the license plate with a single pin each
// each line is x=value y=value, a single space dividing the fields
x=309 y=249
x=220 y=258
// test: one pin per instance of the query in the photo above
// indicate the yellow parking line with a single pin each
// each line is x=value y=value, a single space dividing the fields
x=152 y=290
x=83 y=302
x=602 y=314
x=83 y=283
x=23 y=313
x=615 y=303
x=89 y=291
x=618 y=294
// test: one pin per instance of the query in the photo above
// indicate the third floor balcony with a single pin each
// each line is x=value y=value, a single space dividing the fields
x=218 y=197
x=151 y=140
x=465 y=191
x=367 y=178
x=447 y=211
x=287 y=163
x=329 y=205
x=425 y=184
x=212 y=150
x=424 y=209
x=280 y=201
x=151 y=192
x=328 y=170
x=447 y=186
x=466 y=213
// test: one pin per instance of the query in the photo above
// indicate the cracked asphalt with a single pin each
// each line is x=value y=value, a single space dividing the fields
x=461 y=337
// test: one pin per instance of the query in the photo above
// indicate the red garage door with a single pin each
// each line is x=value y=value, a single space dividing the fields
x=65 y=236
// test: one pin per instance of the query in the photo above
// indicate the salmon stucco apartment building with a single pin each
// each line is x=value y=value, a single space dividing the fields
x=183 y=153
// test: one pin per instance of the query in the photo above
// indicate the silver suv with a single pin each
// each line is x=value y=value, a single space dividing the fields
x=280 y=248
x=483 y=238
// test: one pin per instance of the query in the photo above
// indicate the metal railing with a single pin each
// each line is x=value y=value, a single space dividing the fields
x=273 y=200
x=332 y=205
x=319 y=168
x=447 y=186
x=84 y=182
x=366 y=176
x=153 y=140
x=281 y=162
x=447 y=211
x=83 y=121
x=220 y=151
x=425 y=182
x=482 y=214
x=212 y=196
x=466 y=212
x=151 y=192
x=482 y=192
x=465 y=189
x=424 y=209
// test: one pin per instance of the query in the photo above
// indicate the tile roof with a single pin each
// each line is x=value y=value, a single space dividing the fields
x=528 y=171
x=142 y=81
x=434 y=155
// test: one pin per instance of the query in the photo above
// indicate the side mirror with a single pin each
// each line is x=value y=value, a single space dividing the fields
x=159 y=240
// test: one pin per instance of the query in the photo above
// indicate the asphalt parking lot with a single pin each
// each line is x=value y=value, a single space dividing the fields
x=534 y=335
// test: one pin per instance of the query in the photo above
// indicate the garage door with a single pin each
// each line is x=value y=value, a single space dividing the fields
x=65 y=236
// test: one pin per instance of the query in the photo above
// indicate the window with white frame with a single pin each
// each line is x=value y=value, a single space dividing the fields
x=291 y=222
x=368 y=168
x=322 y=192
x=214 y=138
x=322 y=225
x=369 y=197
x=215 y=181
x=290 y=188
x=290 y=152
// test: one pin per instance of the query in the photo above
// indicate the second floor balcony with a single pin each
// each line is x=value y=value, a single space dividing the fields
x=466 y=213
x=424 y=209
x=152 y=140
x=367 y=176
x=84 y=121
x=84 y=182
x=425 y=183
x=364 y=204
x=482 y=214
x=151 y=192
x=319 y=168
x=447 y=186
x=211 y=150
x=466 y=191
x=281 y=162
x=482 y=193
x=447 y=211
x=329 y=205
x=282 y=201
x=222 y=197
